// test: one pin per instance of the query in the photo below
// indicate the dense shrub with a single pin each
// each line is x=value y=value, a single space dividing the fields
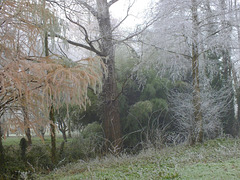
x=39 y=158
x=137 y=120
x=87 y=144
x=14 y=165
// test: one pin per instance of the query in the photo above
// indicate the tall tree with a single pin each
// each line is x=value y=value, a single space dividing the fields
x=195 y=75
x=102 y=45
x=111 y=117
x=110 y=114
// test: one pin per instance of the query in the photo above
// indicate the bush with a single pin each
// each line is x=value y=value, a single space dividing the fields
x=14 y=166
x=87 y=144
x=136 y=121
x=39 y=158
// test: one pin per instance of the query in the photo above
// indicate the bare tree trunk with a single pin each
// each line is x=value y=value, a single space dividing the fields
x=2 y=159
x=62 y=127
x=53 y=136
x=111 y=117
x=42 y=131
x=64 y=136
x=51 y=115
x=198 y=135
x=69 y=128
x=26 y=125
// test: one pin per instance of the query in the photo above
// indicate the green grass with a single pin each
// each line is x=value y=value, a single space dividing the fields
x=229 y=169
x=15 y=140
x=215 y=159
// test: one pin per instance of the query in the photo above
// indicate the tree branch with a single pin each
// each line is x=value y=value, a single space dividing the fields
x=129 y=7
x=84 y=32
x=79 y=45
x=169 y=51
x=112 y=2
x=90 y=8
x=140 y=31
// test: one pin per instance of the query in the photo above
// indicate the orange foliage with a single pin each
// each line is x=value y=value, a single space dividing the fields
x=30 y=80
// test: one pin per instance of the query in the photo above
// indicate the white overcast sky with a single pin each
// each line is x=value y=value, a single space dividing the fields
x=137 y=12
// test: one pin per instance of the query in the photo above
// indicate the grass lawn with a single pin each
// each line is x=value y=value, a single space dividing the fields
x=215 y=159
x=15 y=140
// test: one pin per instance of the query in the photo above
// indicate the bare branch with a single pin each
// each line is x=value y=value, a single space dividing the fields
x=169 y=51
x=112 y=2
x=129 y=7
x=84 y=32
x=79 y=45
x=90 y=8
x=150 y=23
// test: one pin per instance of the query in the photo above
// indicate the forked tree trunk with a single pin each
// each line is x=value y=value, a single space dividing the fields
x=198 y=132
x=62 y=127
x=111 y=117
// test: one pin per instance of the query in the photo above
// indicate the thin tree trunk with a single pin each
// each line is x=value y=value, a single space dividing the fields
x=69 y=128
x=26 y=125
x=53 y=136
x=51 y=113
x=42 y=131
x=198 y=134
x=29 y=137
x=2 y=158
x=111 y=117
x=64 y=136
x=62 y=127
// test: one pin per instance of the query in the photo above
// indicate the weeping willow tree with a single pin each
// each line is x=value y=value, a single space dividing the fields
x=41 y=81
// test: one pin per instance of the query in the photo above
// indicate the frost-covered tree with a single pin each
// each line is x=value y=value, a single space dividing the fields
x=214 y=106
x=192 y=37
